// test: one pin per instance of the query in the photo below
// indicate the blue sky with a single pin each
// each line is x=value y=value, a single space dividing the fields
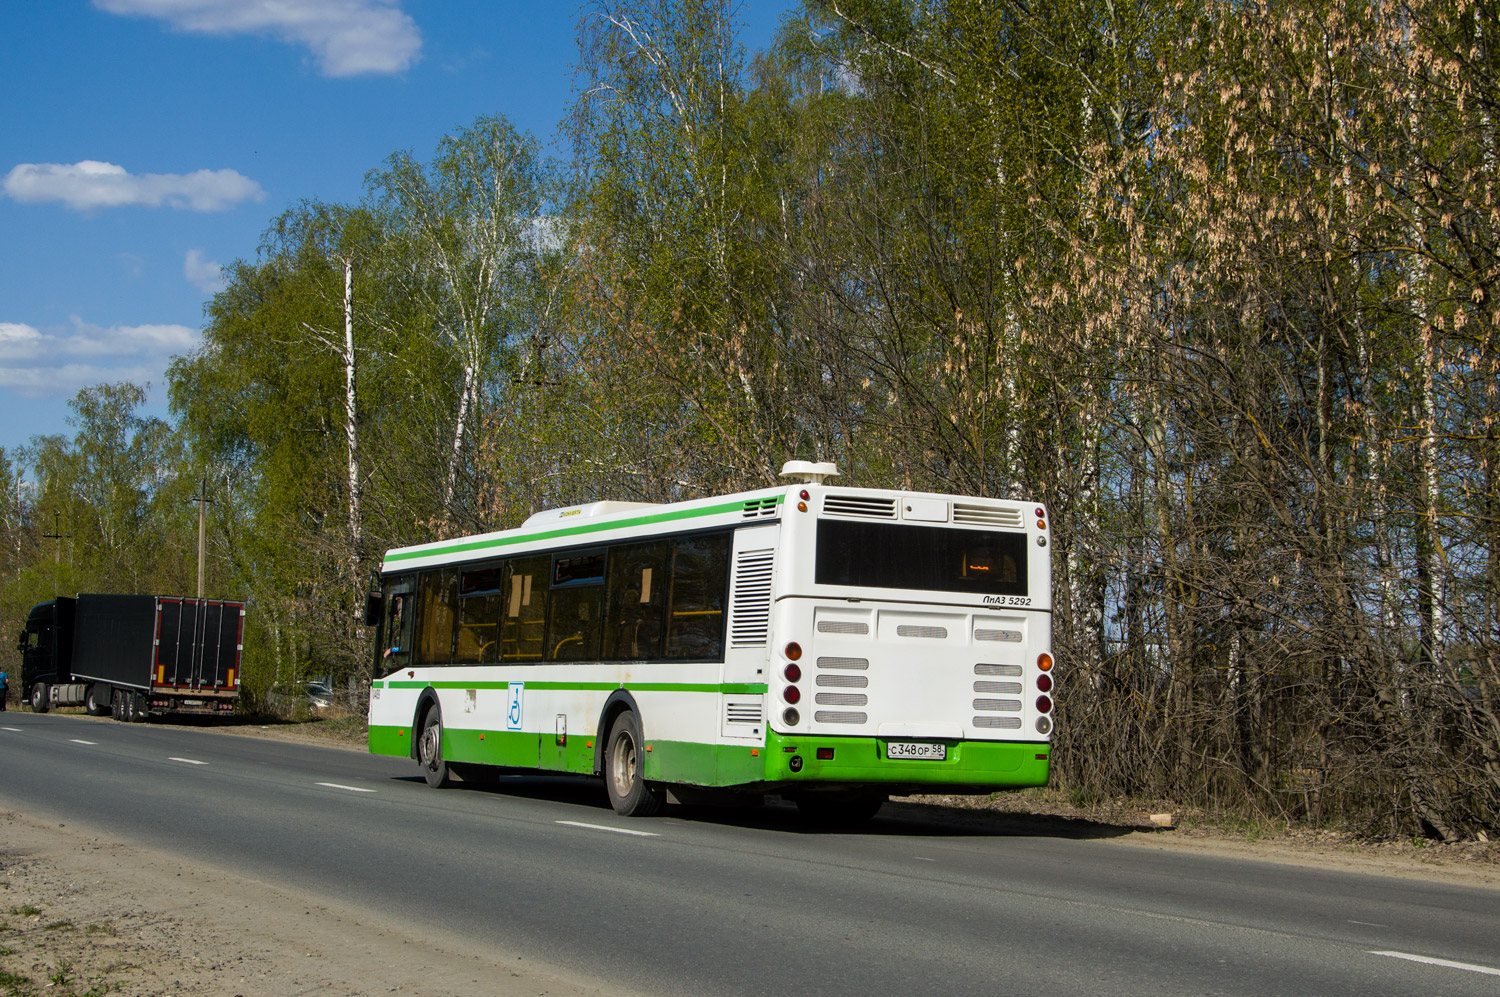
x=144 y=143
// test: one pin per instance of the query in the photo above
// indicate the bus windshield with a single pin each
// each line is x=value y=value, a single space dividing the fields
x=929 y=558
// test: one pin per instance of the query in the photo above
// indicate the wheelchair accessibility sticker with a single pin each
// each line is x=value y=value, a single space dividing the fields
x=513 y=709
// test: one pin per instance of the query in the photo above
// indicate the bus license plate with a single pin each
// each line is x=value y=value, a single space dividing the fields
x=916 y=749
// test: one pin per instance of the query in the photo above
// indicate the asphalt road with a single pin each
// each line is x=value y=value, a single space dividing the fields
x=751 y=902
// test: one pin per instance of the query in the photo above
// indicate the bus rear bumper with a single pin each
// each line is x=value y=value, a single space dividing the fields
x=968 y=766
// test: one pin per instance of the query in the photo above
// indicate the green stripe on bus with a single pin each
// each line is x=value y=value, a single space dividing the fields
x=572 y=531
x=721 y=688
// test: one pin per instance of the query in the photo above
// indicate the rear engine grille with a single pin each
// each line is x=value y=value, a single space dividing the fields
x=841 y=699
x=842 y=627
x=987 y=515
x=1012 y=636
x=998 y=705
x=998 y=723
x=750 y=601
x=984 y=668
x=1008 y=688
x=910 y=630
x=839 y=717
x=853 y=664
x=743 y=713
x=867 y=507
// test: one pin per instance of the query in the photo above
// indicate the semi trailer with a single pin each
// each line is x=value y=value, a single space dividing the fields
x=133 y=655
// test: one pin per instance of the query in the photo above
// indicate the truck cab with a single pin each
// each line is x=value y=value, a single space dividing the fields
x=46 y=647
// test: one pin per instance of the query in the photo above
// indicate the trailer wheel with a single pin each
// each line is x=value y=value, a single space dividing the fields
x=41 y=698
x=430 y=749
x=92 y=701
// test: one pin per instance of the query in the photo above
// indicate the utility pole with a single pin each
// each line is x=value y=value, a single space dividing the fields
x=202 y=531
x=58 y=535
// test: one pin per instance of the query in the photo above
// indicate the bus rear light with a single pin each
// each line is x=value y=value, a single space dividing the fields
x=804 y=495
x=793 y=651
x=1044 y=661
x=1044 y=704
x=791 y=717
x=1041 y=524
x=825 y=754
x=1044 y=682
x=793 y=673
x=801 y=506
x=1041 y=513
x=792 y=694
x=1043 y=725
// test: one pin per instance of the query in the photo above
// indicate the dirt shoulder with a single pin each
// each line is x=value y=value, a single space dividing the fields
x=82 y=916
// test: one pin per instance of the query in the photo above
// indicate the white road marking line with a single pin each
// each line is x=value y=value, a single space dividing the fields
x=1449 y=963
x=616 y=830
x=1370 y=924
x=352 y=789
x=185 y=761
x=920 y=858
x=77 y=740
x=16 y=729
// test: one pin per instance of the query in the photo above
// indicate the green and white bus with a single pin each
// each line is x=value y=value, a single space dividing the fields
x=831 y=645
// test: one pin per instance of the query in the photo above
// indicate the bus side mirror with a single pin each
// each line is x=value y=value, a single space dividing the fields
x=373 y=603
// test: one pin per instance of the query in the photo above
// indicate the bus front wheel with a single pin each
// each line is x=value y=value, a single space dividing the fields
x=624 y=771
x=430 y=750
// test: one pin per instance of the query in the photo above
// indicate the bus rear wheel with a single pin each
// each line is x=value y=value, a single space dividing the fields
x=430 y=749
x=624 y=771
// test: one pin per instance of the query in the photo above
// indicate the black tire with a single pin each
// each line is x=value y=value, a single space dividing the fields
x=117 y=705
x=430 y=749
x=91 y=700
x=41 y=698
x=839 y=809
x=625 y=773
x=141 y=708
x=127 y=706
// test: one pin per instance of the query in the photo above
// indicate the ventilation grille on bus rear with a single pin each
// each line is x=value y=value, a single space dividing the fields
x=1013 y=636
x=842 y=627
x=839 y=717
x=855 y=682
x=998 y=705
x=841 y=699
x=1006 y=688
x=869 y=507
x=759 y=507
x=911 y=630
x=1000 y=723
x=855 y=664
x=985 y=668
x=750 y=603
x=987 y=515
x=743 y=713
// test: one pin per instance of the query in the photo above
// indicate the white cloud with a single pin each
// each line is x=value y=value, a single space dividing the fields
x=55 y=363
x=206 y=275
x=90 y=184
x=347 y=37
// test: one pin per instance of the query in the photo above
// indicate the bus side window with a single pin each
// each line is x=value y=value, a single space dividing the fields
x=695 y=606
x=636 y=602
x=523 y=609
x=478 y=640
x=437 y=592
x=576 y=605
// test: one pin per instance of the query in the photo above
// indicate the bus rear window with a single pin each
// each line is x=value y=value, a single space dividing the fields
x=926 y=558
